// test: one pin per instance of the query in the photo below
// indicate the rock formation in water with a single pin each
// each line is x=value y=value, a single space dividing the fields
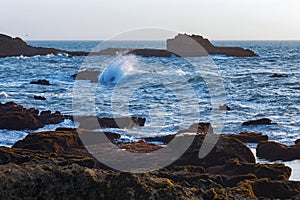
x=182 y=45
x=195 y=46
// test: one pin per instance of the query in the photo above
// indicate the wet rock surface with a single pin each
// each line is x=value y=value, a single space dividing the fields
x=16 y=117
x=272 y=151
x=56 y=165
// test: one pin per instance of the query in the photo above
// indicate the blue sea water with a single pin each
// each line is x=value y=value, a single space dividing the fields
x=250 y=90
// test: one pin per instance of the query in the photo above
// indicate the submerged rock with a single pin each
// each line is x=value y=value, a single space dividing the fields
x=225 y=107
x=39 y=98
x=276 y=75
x=262 y=121
x=41 y=82
x=276 y=151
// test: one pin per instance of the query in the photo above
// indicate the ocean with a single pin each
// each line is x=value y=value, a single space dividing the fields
x=164 y=90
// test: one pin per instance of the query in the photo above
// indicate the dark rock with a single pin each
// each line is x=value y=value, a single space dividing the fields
x=195 y=45
x=16 y=117
x=17 y=47
x=87 y=75
x=297 y=142
x=275 y=75
x=225 y=149
x=151 y=52
x=139 y=147
x=39 y=98
x=164 y=139
x=276 y=151
x=225 y=107
x=41 y=82
x=236 y=168
x=53 y=165
x=96 y=123
x=249 y=137
x=265 y=188
x=262 y=121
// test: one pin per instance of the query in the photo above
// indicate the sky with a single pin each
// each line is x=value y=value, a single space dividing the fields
x=101 y=20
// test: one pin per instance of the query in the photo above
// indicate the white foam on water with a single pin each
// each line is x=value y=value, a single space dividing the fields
x=121 y=67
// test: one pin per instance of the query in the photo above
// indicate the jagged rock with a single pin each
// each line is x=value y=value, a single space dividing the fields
x=17 y=47
x=262 y=121
x=195 y=45
x=276 y=151
x=41 y=82
x=249 y=137
x=16 y=117
x=39 y=98
x=178 y=46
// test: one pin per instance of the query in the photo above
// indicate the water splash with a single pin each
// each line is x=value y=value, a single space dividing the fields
x=121 y=67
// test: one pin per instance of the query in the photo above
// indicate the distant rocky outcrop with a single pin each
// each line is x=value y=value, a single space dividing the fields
x=196 y=45
x=182 y=45
x=16 y=47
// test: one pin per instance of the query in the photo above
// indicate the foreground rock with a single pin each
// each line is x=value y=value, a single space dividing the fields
x=262 y=121
x=55 y=165
x=249 y=137
x=16 y=117
x=275 y=151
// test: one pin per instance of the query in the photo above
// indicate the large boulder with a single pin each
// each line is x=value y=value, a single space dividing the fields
x=275 y=151
x=226 y=148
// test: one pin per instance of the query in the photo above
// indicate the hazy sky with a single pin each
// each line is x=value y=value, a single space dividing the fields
x=99 y=19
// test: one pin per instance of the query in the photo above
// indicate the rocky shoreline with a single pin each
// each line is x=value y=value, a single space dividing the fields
x=200 y=47
x=56 y=165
